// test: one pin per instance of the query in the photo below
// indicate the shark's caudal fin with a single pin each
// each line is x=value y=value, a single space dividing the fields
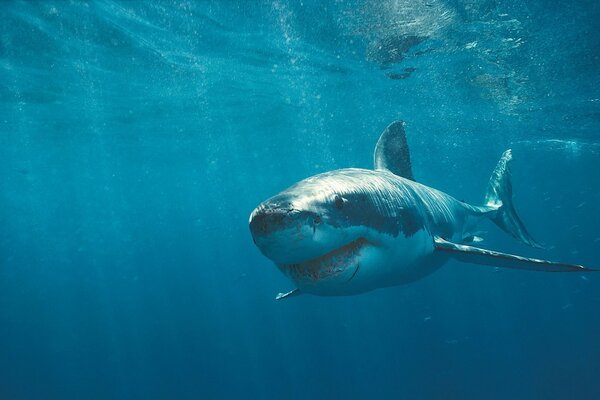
x=499 y=195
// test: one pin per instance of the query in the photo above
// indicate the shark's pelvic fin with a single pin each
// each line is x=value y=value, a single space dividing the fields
x=499 y=195
x=476 y=255
x=391 y=151
x=291 y=293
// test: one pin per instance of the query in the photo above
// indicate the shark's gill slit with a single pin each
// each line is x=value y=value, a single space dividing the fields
x=355 y=271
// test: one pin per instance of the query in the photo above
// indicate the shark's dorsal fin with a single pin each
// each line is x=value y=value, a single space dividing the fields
x=476 y=255
x=391 y=151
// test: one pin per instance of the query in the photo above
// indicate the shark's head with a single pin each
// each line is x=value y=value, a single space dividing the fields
x=301 y=223
x=319 y=229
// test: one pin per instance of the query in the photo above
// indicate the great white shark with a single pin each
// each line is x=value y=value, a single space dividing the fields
x=353 y=230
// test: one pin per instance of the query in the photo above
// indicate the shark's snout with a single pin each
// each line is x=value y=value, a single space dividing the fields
x=282 y=233
x=266 y=220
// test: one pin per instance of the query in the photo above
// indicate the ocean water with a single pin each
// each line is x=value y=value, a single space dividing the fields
x=137 y=137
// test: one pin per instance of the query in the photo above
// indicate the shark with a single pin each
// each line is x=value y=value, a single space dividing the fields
x=353 y=230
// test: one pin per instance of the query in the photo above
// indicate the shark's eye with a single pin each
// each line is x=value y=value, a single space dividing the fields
x=317 y=220
x=338 y=201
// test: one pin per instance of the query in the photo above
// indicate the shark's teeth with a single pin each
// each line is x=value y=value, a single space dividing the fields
x=328 y=265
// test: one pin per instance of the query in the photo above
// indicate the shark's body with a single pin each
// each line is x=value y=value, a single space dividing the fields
x=354 y=230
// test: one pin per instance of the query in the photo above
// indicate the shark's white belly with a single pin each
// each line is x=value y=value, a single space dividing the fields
x=395 y=261
x=367 y=265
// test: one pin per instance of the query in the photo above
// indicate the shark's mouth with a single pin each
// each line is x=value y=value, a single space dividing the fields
x=332 y=264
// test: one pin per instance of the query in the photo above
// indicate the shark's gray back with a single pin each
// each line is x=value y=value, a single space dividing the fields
x=392 y=204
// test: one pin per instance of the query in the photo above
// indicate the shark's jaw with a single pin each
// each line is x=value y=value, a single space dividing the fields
x=339 y=266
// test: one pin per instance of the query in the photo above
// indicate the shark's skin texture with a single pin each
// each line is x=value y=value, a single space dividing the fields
x=353 y=230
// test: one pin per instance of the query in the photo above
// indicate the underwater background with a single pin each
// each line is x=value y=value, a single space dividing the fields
x=137 y=137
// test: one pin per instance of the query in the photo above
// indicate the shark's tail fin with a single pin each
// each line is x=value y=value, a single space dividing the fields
x=499 y=196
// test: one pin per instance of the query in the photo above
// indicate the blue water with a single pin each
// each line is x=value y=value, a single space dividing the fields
x=136 y=138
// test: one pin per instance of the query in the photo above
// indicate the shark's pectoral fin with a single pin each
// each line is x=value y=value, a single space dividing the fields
x=476 y=255
x=291 y=293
